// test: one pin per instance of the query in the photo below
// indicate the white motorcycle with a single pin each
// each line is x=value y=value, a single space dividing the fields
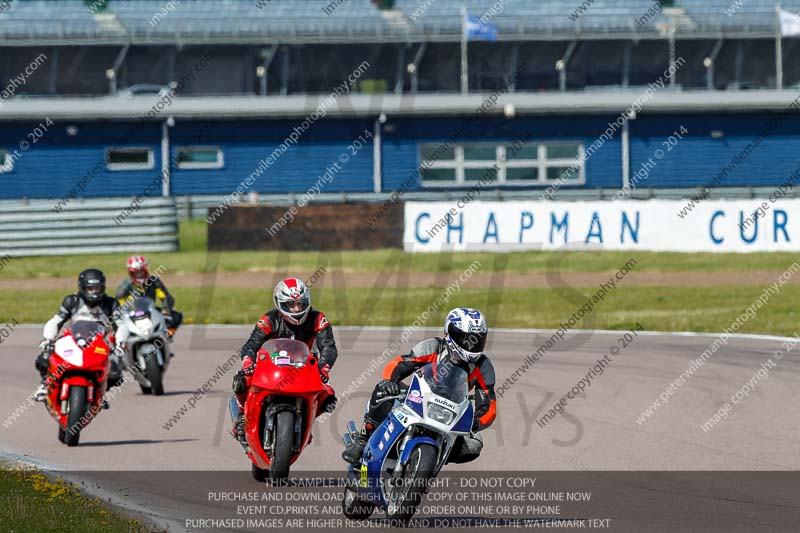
x=410 y=447
x=147 y=350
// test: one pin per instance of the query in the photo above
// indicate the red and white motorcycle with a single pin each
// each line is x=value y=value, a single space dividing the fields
x=77 y=378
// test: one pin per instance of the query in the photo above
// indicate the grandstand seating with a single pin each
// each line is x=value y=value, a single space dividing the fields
x=232 y=17
x=68 y=20
x=72 y=19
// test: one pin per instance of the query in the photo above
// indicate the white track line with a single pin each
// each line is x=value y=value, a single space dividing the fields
x=754 y=336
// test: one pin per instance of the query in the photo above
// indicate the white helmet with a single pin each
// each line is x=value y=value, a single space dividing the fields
x=287 y=295
x=465 y=332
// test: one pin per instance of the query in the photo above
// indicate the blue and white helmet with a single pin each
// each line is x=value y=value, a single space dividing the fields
x=465 y=332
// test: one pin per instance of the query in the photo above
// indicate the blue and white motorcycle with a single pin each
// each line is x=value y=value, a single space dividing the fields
x=407 y=451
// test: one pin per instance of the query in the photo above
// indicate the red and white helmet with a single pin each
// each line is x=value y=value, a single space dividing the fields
x=137 y=268
x=292 y=300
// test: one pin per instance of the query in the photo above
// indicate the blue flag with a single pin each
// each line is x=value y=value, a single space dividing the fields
x=475 y=29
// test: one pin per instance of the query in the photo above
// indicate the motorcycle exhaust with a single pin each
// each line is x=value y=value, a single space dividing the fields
x=352 y=431
x=233 y=407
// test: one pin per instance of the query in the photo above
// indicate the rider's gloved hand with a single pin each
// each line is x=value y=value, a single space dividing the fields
x=482 y=403
x=389 y=387
x=46 y=345
x=166 y=312
x=324 y=373
x=248 y=366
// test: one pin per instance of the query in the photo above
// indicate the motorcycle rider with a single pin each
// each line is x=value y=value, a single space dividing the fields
x=141 y=283
x=90 y=303
x=465 y=333
x=292 y=318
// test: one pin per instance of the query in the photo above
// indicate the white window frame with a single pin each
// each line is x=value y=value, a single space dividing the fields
x=561 y=162
x=8 y=162
x=219 y=163
x=150 y=165
x=541 y=163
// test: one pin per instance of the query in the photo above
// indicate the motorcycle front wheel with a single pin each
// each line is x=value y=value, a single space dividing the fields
x=406 y=495
x=353 y=508
x=77 y=408
x=284 y=439
x=154 y=376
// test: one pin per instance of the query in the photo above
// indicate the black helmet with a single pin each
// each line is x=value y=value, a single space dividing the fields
x=92 y=286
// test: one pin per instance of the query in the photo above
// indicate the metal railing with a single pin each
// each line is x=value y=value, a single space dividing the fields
x=87 y=226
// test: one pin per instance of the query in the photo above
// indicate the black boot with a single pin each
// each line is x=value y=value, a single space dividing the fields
x=40 y=395
x=352 y=454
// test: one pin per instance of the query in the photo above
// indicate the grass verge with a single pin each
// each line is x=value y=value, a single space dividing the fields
x=193 y=258
x=704 y=309
x=32 y=503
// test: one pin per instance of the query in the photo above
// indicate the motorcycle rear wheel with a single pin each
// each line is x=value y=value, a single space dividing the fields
x=420 y=469
x=77 y=408
x=284 y=438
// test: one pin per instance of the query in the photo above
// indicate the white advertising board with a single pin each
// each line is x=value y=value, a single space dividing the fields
x=756 y=225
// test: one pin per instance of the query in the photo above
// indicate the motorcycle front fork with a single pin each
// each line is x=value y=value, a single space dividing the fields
x=272 y=410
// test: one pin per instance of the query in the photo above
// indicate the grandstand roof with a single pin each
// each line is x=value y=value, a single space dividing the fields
x=665 y=101
x=260 y=21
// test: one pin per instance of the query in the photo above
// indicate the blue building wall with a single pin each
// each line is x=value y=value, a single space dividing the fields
x=401 y=153
x=57 y=162
x=246 y=143
x=697 y=158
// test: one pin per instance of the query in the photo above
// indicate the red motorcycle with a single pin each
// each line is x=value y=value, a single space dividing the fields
x=286 y=392
x=77 y=378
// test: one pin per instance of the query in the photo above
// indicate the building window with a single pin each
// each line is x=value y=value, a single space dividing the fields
x=130 y=159
x=192 y=157
x=508 y=164
x=6 y=161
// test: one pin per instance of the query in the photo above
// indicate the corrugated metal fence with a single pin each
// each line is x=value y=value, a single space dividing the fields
x=88 y=226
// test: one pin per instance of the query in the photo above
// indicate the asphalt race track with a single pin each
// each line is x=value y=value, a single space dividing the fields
x=129 y=456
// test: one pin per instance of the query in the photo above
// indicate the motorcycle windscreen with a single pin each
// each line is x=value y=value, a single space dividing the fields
x=287 y=351
x=68 y=350
x=141 y=308
x=447 y=379
x=84 y=331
